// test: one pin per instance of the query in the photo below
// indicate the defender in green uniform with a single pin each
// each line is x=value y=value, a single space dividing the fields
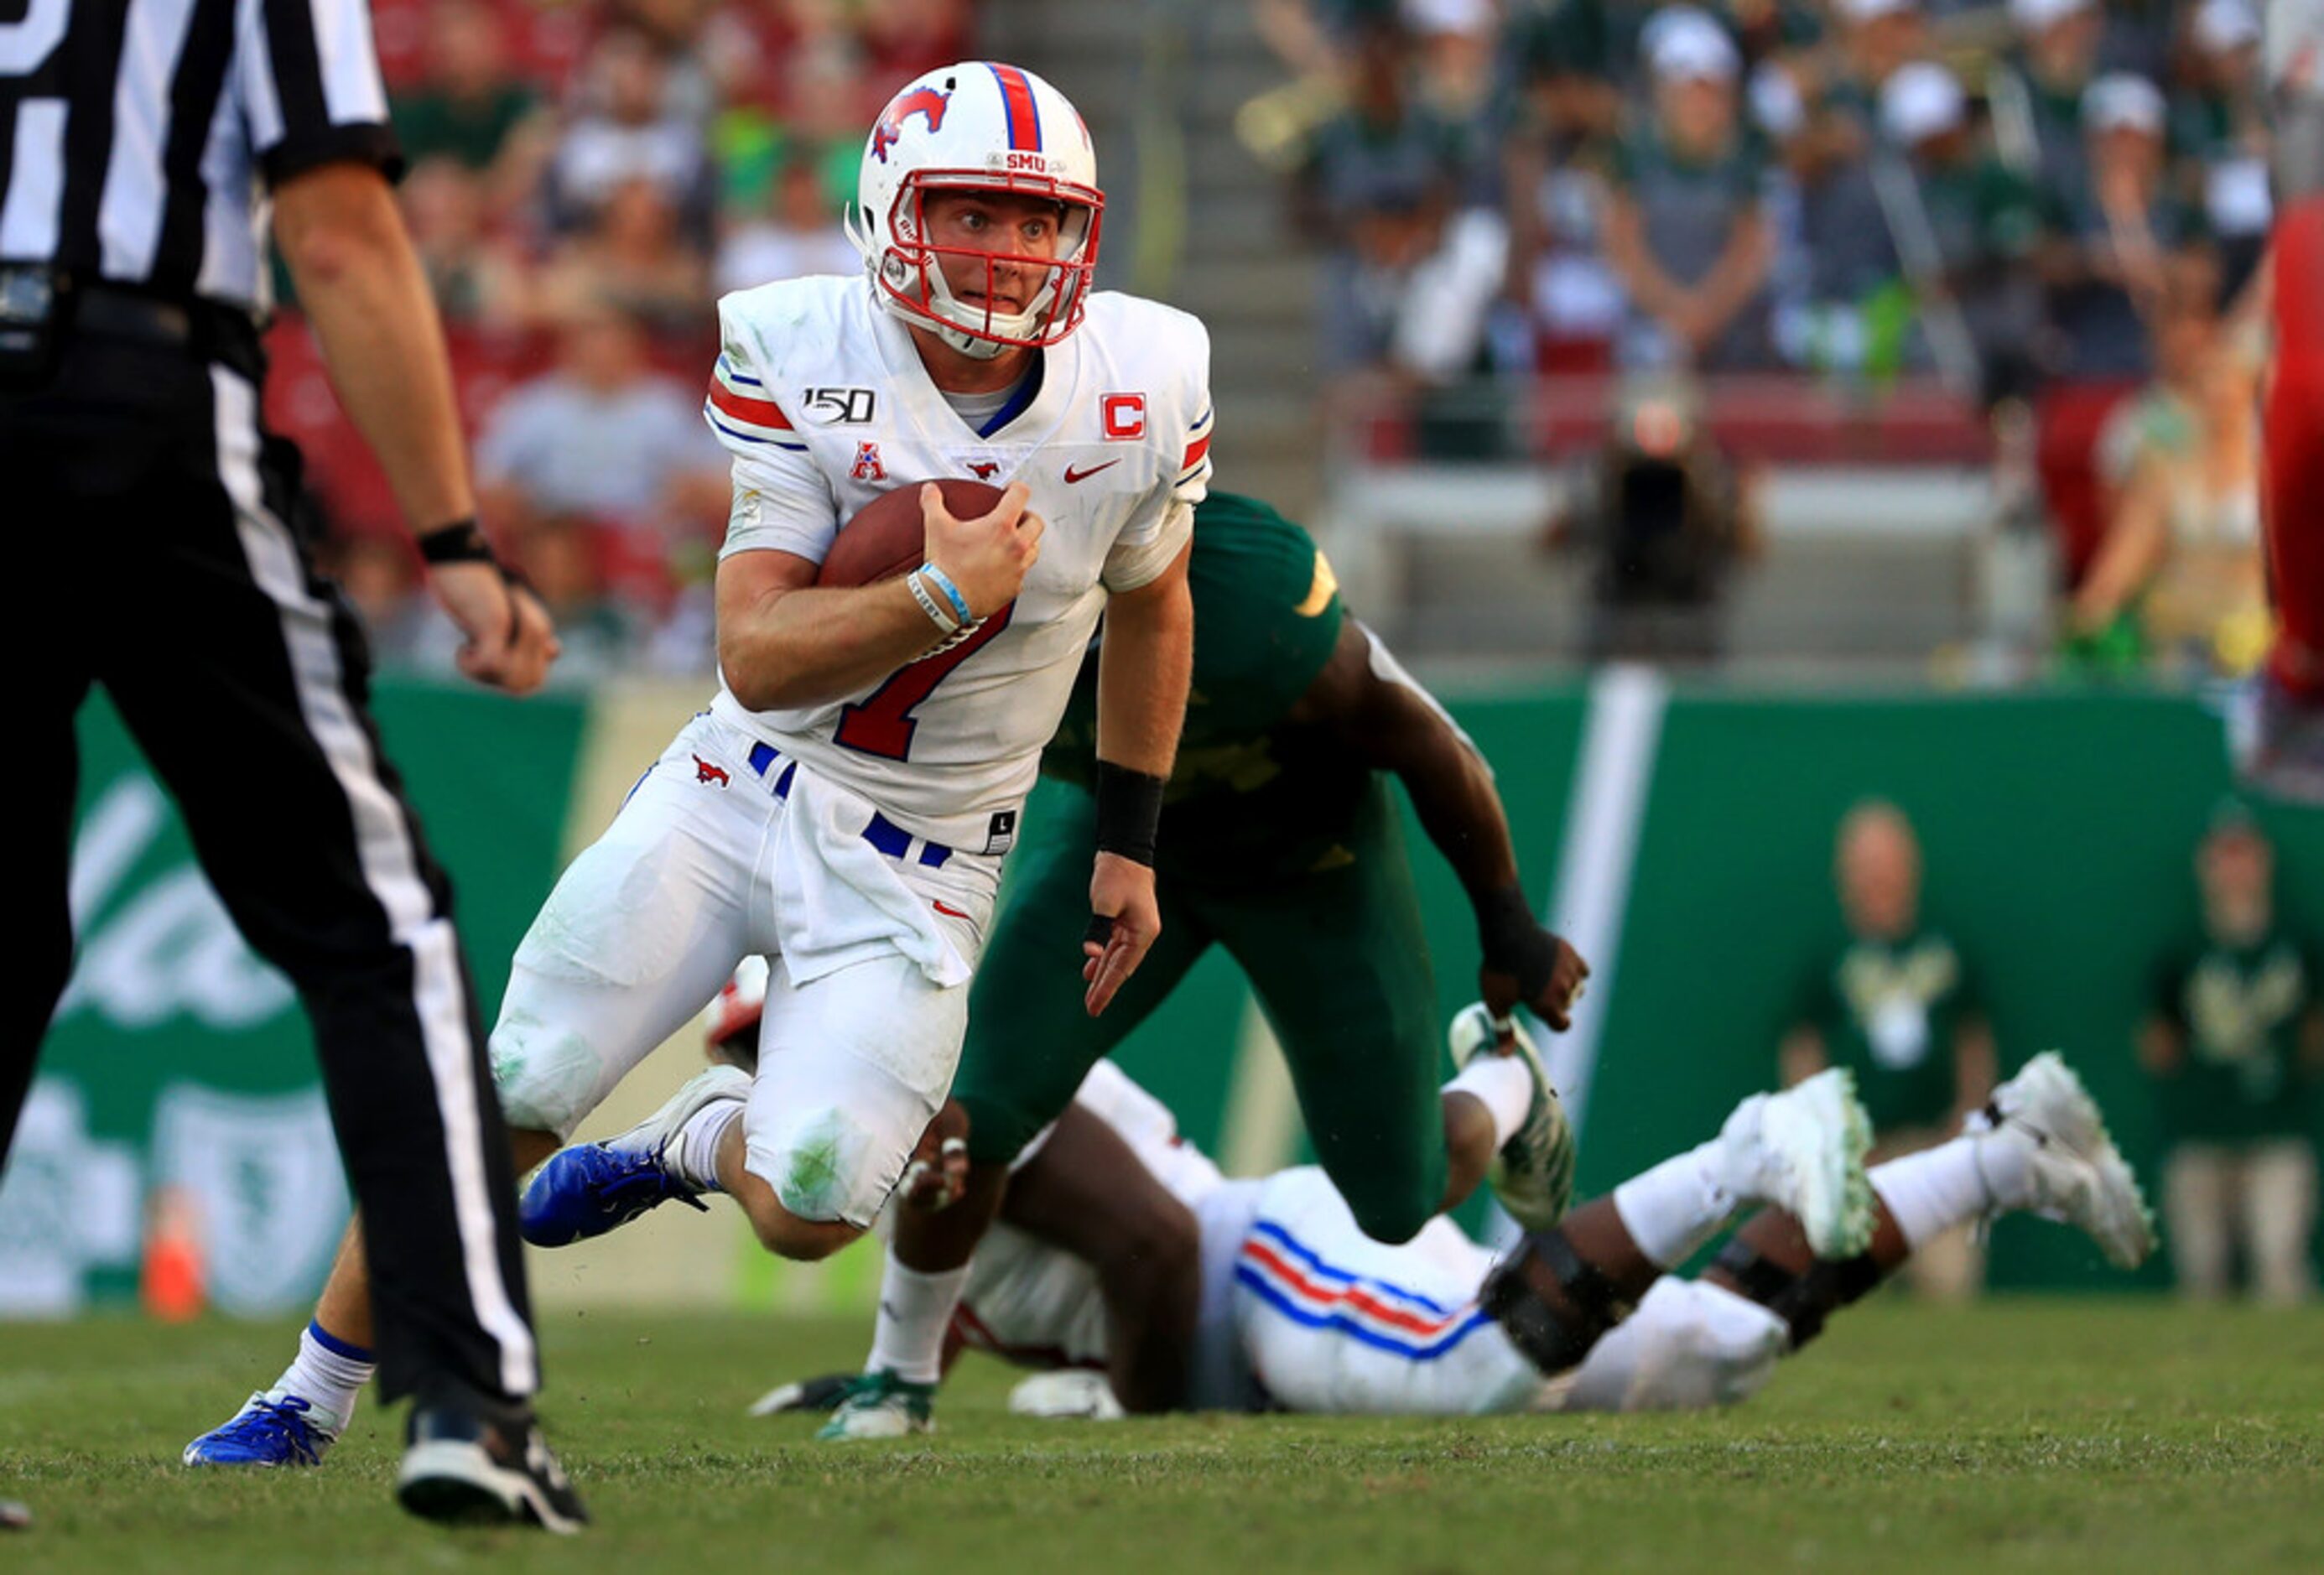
x=1279 y=842
x=1276 y=845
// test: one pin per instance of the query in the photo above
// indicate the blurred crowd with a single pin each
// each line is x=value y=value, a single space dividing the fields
x=2055 y=209
x=2051 y=208
x=2005 y=193
x=585 y=179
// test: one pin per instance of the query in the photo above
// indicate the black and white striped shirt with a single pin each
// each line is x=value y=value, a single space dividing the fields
x=135 y=134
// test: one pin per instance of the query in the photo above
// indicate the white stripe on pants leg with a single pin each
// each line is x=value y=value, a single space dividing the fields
x=391 y=868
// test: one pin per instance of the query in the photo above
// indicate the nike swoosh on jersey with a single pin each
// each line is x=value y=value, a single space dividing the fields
x=948 y=911
x=1072 y=475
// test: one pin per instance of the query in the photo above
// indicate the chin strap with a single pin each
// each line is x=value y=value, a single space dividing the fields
x=962 y=340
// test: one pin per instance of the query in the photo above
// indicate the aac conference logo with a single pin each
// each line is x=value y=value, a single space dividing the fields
x=160 y=967
x=154 y=950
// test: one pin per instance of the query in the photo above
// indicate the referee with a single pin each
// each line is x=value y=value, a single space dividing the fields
x=149 y=514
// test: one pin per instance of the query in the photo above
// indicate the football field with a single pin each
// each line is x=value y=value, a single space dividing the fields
x=2036 y=1435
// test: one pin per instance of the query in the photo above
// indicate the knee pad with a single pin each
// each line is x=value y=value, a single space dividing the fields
x=1554 y=1336
x=1802 y=1299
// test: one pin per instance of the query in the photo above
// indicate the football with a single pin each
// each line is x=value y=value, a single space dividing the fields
x=888 y=535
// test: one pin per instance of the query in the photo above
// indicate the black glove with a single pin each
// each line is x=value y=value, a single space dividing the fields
x=1515 y=943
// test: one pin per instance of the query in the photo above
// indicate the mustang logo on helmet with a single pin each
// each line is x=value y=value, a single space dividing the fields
x=926 y=102
x=986 y=134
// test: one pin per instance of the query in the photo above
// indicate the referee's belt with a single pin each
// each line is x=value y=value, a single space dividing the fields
x=882 y=834
x=123 y=314
x=205 y=328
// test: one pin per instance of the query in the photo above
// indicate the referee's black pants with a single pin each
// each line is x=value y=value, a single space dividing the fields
x=149 y=545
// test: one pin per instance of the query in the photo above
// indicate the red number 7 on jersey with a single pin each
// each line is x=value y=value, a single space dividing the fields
x=881 y=723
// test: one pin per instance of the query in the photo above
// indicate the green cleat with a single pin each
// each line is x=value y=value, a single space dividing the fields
x=1533 y=1174
x=881 y=1405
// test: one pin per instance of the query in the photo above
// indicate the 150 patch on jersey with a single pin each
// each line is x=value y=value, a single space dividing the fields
x=841 y=407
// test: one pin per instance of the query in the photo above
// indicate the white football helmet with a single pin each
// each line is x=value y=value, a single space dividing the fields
x=979 y=126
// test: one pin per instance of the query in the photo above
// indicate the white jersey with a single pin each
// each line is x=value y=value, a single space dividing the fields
x=1034 y=1305
x=823 y=401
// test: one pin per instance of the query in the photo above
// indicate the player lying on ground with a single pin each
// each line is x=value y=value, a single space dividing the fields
x=842 y=804
x=1300 y=1311
x=1281 y=842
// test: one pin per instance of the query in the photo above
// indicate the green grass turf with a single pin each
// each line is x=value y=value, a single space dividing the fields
x=2018 y=1435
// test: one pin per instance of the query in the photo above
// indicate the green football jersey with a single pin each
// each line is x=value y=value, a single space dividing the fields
x=1889 y=1011
x=2239 y=1009
x=1251 y=797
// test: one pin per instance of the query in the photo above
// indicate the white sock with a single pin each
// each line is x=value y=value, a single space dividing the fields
x=1674 y=1209
x=328 y=1374
x=1938 y=1189
x=694 y=1158
x=915 y=1310
x=1503 y=1084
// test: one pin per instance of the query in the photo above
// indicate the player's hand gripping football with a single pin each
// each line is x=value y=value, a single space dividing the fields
x=986 y=556
x=1125 y=921
x=511 y=641
x=1536 y=970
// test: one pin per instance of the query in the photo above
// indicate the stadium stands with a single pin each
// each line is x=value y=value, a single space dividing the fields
x=1436 y=241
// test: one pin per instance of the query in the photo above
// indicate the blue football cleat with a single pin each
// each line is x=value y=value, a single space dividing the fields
x=288 y=1431
x=589 y=1190
x=592 y=1188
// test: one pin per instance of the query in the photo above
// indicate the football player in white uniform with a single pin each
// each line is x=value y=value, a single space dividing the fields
x=843 y=806
x=1301 y=1311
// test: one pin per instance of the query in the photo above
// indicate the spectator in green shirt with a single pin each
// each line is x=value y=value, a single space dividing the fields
x=473 y=106
x=2037 y=93
x=1382 y=182
x=1897 y=1008
x=2236 y=1045
x=1977 y=224
x=2117 y=235
x=1686 y=228
x=1856 y=306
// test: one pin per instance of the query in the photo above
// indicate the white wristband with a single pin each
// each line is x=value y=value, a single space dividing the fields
x=938 y=614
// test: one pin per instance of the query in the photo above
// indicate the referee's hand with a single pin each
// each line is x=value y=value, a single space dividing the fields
x=511 y=641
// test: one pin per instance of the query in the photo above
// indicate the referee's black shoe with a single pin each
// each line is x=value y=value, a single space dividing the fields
x=462 y=1470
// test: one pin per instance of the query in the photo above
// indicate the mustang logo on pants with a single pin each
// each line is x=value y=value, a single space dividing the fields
x=704 y=771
